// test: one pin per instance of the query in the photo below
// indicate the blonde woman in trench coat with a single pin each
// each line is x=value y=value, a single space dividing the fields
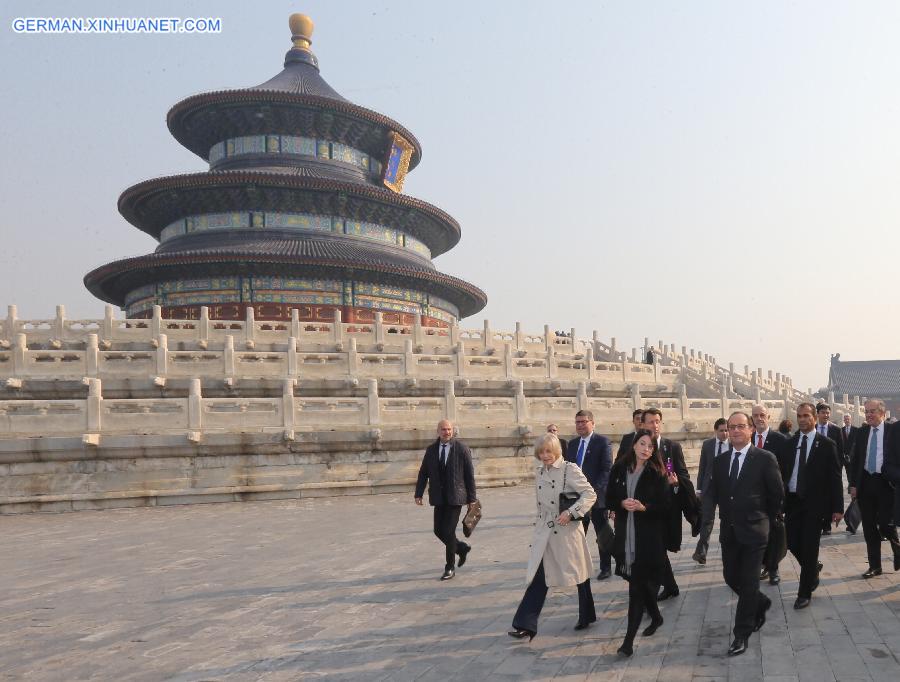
x=560 y=555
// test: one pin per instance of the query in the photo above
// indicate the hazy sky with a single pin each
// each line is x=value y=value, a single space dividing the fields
x=720 y=175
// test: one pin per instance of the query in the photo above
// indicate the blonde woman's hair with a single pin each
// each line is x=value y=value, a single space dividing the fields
x=547 y=441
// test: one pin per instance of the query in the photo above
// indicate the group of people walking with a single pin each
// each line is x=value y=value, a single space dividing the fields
x=774 y=494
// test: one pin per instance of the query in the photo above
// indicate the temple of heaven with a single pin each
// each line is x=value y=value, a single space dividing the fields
x=302 y=207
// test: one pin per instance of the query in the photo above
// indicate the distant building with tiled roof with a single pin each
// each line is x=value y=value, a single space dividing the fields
x=870 y=378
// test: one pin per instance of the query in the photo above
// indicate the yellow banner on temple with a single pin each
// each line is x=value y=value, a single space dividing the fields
x=397 y=163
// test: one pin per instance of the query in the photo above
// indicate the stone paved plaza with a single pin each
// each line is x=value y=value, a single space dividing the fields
x=347 y=588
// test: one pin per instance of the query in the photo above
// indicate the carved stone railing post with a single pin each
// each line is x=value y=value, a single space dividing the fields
x=249 y=326
x=228 y=356
x=508 y=360
x=287 y=407
x=856 y=407
x=337 y=328
x=520 y=336
x=724 y=399
x=109 y=321
x=685 y=404
x=831 y=398
x=20 y=367
x=379 y=328
x=450 y=400
x=292 y=356
x=94 y=406
x=612 y=347
x=11 y=318
x=595 y=343
x=373 y=407
x=656 y=368
x=59 y=324
x=162 y=356
x=409 y=362
x=635 y=390
x=522 y=415
x=195 y=410
x=551 y=363
x=581 y=395
x=418 y=337
x=295 y=323
x=353 y=359
x=591 y=365
x=460 y=359
x=547 y=342
x=92 y=355
x=487 y=338
x=846 y=399
x=203 y=330
x=156 y=322
x=454 y=333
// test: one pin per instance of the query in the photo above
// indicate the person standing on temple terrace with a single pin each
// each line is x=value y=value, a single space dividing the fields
x=811 y=472
x=746 y=485
x=765 y=438
x=786 y=427
x=848 y=435
x=875 y=443
x=625 y=444
x=593 y=455
x=554 y=429
x=639 y=497
x=448 y=471
x=685 y=499
x=825 y=428
x=560 y=556
x=711 y=448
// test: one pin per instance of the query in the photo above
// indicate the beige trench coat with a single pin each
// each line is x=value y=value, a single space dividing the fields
x=563 y=549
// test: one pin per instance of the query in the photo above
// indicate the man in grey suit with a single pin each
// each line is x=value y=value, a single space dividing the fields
x=711 y=448
x=746 y=485
x=448 y=472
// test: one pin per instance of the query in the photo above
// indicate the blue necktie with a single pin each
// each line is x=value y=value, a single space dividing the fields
x=873 y=453
x=580 y=458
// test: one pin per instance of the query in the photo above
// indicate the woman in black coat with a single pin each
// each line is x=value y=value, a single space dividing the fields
x=639 y=495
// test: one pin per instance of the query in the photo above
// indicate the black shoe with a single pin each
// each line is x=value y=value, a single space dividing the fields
x=761 y=618
x=604 y=574
x=819 y=566
x=826 y=531
x=582 y=625
x=871 y=573
x=653 y=627
x=522 y=634
x=738 y=646
x=851 y=531
x=448 y=573
x=801 y=603
x=699 y=558
x=463 y=551
x=626 y=649
x=774 y=578
x=666 y=593
x=764 y=574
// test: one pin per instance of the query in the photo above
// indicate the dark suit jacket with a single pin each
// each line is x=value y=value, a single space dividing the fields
x=625 y=444
x=596 y=464
x=891 y=467
x=649 y=526
x=757 y=497
x=564 y=444
x=458 y=479
x=773 y=442
x=824 y=494
x=846 y=442
x=707 y=455
x=686 y=500
x=860 y=450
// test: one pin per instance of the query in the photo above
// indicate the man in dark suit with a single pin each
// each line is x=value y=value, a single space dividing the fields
x=747 y=487
x=873 y=490
x=628 y=438
x=765 y=438
x=811 y=472
x=891 y=466
x=593 y=455
x=825 y=428
x=448 y=471
x=711 y=448
x=685 y=499
x=554 y=429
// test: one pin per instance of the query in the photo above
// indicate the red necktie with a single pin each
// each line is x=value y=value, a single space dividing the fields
x=759 y=442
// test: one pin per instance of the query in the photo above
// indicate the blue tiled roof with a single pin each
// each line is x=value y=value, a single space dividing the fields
x=873 y=378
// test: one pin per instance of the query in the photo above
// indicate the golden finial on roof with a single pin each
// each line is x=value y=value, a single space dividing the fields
x=301 y=31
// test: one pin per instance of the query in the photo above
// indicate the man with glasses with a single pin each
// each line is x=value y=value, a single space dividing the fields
x=711 y=448
x=746 y=485
x=554 y=429
x=871 y=488
x=826 y=429
x=765 y=438
x=593 y=455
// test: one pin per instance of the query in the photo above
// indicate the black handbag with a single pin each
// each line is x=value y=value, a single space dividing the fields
x=852 y=516
x=566 y=500
x=606 y=538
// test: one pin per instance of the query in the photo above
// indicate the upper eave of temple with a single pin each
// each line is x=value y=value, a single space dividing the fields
x=153 y=204
x=297 y=101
